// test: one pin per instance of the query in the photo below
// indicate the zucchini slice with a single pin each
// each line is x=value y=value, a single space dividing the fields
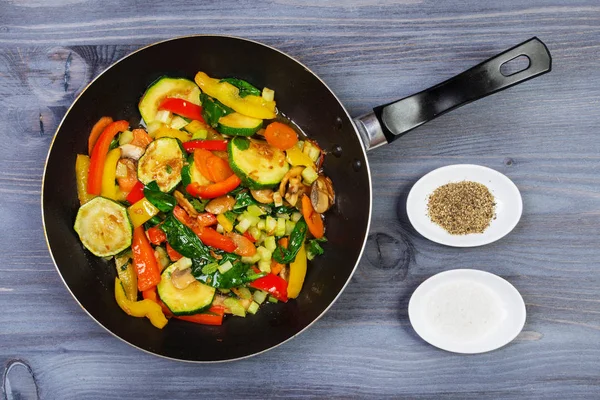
x=237 y=124
x=258 y=164
x=162 y=162
x=193 y=299
x=165 y=87
x=103 y=227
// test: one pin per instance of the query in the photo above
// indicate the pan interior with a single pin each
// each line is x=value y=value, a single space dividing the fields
x=304 y=99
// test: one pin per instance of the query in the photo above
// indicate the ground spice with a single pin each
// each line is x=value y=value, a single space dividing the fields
x=462 y=207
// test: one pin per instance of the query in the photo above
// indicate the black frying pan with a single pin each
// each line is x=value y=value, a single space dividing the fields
x=303 y=97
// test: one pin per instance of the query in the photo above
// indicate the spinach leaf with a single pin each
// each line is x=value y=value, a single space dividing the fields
x=184 y=240
x=213 y=109
x=238 y=275
x=313 y=248
x=285 y=256
x=244 y=199
x=114 y=143
x=283 y=210
x=244 y=87
x=163 y=201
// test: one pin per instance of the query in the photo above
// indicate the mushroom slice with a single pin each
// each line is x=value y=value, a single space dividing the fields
x=322 y=195
x=182 y=278
x=292 y=173
x=264 y=196
x=220 y=205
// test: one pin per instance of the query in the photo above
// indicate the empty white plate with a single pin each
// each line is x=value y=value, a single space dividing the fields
x=509 y=204
x=467 y=311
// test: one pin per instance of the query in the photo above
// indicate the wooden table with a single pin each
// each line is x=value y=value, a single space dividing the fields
x=542 y=134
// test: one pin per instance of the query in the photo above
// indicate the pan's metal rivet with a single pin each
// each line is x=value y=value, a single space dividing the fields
x=337 y=150
x=356 y=165
x=338 y=123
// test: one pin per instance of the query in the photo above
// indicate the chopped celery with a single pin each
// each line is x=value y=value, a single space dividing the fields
x=242 y=292
x=284 y=216
x=270 y=244
x=273 y=300
x=310 y=175
x=177 y=122
x=259 y=296
x=261 y=225
x=264 y=266
x=226 y=266
x=265 y=254
x=268 y=94
x=162 y=257
x=234 y=307
x=289 y=227
x=314 y=153
x=252 y=259
x=220 y=228
x=183 y=263
x=253 y=308
x=300 y=144
x=255 y=210
x=224 y=291
x=210 y=268
x=153 y=127
x=296 y=216
x=270 y=224
x=197 y=129
x=125 y=137
x=163 y=116
x=243 y=225
x=256 y=233
x=280 y=230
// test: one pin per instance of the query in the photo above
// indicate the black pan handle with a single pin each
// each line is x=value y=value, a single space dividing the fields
x=390 y=121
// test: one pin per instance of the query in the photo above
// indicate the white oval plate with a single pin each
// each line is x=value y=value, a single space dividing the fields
x=467 y=311
x=509 y=204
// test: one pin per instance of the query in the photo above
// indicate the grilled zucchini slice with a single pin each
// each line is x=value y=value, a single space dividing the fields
x=258 y=164
x=165 y=87
x=103 y=227
x=193 y=299
x=162 y=162
x=237 y=124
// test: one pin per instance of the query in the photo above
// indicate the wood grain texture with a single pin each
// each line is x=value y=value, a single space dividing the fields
x=542 y=134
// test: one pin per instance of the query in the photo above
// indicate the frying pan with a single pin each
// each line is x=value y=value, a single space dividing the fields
x=304 y=98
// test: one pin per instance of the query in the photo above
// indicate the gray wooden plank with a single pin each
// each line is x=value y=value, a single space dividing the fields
x=542 y=134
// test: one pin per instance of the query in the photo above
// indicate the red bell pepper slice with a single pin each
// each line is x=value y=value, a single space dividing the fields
x=99 y=152
x=215 y=190
x=273 y=284
x=182 y=107
x=213 y=317
x=206 y=219
x=211 y=237
x=220 y=145
x=172 y=253
x=156 y=235
x=248 y=236
x=145 y=263
x=136 y=194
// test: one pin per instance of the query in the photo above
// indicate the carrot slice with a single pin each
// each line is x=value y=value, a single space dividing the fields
x=313 y=219
x=280 y=135
x=200 y=158
x=218 y=169
x=96 y=131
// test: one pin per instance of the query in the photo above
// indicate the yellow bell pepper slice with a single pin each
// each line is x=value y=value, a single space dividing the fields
x=141 y=212
x=144 y=308
x=128 y=276
x=165 y=131
x=82 y=166
x=225 y=222
x=109 y=187
x=226 y=93
x=297 y=274
x=295 y=157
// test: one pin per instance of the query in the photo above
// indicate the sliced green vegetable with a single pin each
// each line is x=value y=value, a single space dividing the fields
x=237 y=124
x=165 y=87
x=313 y=248
x=235 y=307
x=258 y=164
x=285 y=256
x=237 y=275
x=213 y=110
x=184 y=240
x=163 y=201
x=195 y=298
x=244 y=87
x=162 y=162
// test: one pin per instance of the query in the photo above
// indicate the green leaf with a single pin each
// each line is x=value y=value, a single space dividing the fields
x=213 y=109
x=244 y=87
x=184 y=240
x=163 y=201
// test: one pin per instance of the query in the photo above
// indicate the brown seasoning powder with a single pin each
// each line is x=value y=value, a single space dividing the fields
x=462 y=207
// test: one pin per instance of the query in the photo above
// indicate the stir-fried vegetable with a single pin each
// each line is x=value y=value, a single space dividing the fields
x=205 y=212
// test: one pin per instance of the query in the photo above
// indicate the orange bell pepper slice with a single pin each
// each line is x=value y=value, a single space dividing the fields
x=99 y=153
x=145 y=263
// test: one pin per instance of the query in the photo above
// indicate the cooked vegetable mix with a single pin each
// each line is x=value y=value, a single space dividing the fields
x=211 y=208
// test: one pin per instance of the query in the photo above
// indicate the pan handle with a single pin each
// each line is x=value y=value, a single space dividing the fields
x=388 y=122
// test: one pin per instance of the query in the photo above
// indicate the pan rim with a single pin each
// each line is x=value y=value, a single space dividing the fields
x=367 y=228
